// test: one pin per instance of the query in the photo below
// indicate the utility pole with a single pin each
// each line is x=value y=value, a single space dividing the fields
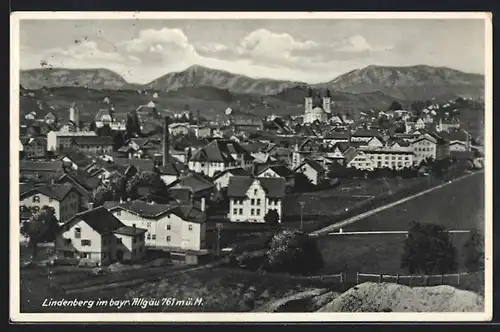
x=301 y=215
x=218 y=227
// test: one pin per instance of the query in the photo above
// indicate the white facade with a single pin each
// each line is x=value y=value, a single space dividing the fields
x=56 y=139
x=394 y=158
x=424 y=148
x=64 y=210
x=361 y=161
x=254 y=206
x=168 y=230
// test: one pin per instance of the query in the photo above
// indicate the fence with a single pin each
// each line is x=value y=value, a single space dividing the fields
x=413 y=280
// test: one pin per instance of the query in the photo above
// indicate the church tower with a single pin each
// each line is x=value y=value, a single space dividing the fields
x=327 y=102
x=309 y=100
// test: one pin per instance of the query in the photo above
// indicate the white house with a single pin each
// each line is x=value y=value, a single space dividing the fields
x=221 y=180
x=389 y=157
x=313 y=170
x=97 y=238
x=250 y=199
x=278 y=171
x=64 y=198
x=219 y=155
x=356 y=158
x=179 y=229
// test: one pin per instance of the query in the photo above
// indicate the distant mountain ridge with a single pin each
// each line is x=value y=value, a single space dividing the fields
x=405 y=83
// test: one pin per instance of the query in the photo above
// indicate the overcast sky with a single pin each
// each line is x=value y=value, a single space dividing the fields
x=301 y=50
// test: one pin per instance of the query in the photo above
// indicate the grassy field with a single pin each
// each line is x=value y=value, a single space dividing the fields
x=370 y=253
x=458 y=206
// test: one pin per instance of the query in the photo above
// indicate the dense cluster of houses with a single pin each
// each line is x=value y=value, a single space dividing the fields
x=253 y=169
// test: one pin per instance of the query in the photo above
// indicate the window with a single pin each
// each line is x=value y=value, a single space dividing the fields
x=84 y=255
x=168 y=238
x=119 y=213
x=258 y=212
x=190 y=227
x=154 y=236
x=168 y=227
x=258 y=201
x=36 y=208
x=252 y=212
x=252 y=202
x=235 y=211
x=78 y=232
x=241 y=211
x=255 y=191
x=86 y=243
x=36 y=199
x=148 y=224
x=134 y=240
x=148 y=236
x=50 y=199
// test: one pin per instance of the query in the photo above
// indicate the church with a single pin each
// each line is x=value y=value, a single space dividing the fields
x=317 y=108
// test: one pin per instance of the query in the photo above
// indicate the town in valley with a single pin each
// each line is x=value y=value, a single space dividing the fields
x=266 y=196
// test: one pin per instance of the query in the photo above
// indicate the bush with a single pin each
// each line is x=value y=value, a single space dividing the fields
x=474 y=251
x=294 y=252
x=428 y=249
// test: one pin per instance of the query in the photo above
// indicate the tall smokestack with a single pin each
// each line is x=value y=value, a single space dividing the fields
x=165 y=141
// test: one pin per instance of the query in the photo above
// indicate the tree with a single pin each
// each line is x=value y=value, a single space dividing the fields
x=41 y=227
x=395 y=106
x=428 y=249
x=133 y=125
x=113 y=190
x=474 y=251
x=105 y=131
x=303 y=183
x=146 y=183
x=294 y=252
x=272 y=217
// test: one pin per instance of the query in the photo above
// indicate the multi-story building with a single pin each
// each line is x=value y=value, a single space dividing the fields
x=64 y=198
x=389 y=157
x=250 y=199
x=65 y=139
x=96 y=238
x=34 y=147
x=94 y=144
x=430 y=146
x=218 y=155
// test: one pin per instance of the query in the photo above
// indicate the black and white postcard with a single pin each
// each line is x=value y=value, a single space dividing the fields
x=208 y=167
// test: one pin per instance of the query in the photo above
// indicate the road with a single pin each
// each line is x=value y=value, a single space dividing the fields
x=441 y=202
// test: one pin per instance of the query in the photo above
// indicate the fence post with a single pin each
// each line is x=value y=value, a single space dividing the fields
x=380 y=278
x=397 y=278
x=411 y=280
x=341 y=277
x=458 y=278
x=357 y=277
x=442 y=279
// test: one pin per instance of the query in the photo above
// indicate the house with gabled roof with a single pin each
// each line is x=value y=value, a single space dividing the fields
x=34 y=147
x=177 y=228
x=356 y=158
x=96 y=237
x=199 y=185
x=364 y=135
x=250 y=199
x=278 y=171
x=221 y=179
x=218 y=155
x=64 y=198
x=313 y=170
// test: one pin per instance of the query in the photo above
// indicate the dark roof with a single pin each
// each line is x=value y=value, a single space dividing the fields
x=130 y=231
x=349 y=154
x=83 y=178
x=145 y=209
x=55 y=191
x=47 y=166
x=181 y=194
x=100 y=219
x=314 y=165
x=234 y=171
x=173 y=167
x=219 y=150
x=366 y=133
x=193 y=181
x=190 y=213
x=93 y=140
x=79 y=158
x=108 y=205
x=281 y=170
x=65 y=178
x=338 y=135
x=26 y=186
x=238 y=186
x=140 y=164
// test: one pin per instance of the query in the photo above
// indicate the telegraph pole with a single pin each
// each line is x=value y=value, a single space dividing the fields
x=301 y=215
x=218 y=227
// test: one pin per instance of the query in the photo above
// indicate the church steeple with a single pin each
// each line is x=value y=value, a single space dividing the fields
x=310 y=92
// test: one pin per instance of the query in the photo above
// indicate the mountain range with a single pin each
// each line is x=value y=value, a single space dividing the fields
x=403 y=83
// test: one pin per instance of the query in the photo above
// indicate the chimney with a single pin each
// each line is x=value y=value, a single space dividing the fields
x=203 y=204
x=91 y=206
x=165 y=142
